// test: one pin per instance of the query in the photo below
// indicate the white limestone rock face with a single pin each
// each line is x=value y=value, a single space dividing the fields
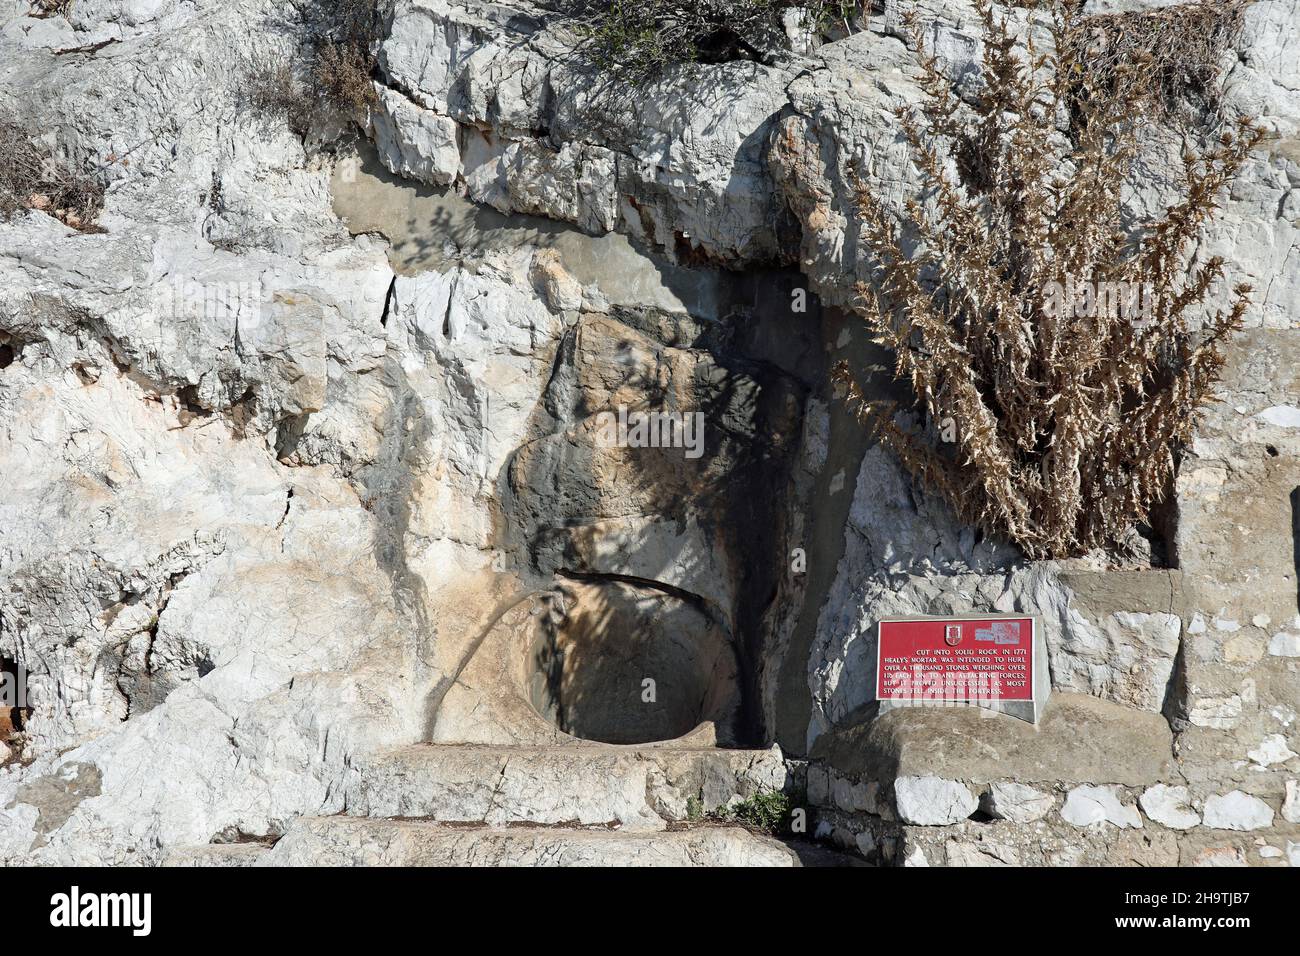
x=916 y=858
x=1291 y=805
x=215 y=632
x=1237 y=811
x=336 y=842
x=541 y=135
x=1127 y=657
x=1169 y=806
x=1016 y=802
x=414 y=143
x=240 y=471
x=1087 y=805
x=251 y=475
x=901 y=531
x=1284 y=644
x=476 y=348
x=210 y=646
x=125 y=13
x=244 y=335
x=574 y=184
x=1271 y=750
x=932 y=801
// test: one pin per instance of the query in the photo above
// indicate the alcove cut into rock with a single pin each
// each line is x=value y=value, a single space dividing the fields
x=621 y=663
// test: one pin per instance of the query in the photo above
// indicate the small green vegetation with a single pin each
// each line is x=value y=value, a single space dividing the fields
x=767 y=811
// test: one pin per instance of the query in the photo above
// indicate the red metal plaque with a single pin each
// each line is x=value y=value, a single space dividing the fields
x=956 y=659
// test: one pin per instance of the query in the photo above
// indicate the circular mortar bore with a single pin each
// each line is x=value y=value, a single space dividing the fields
x=622 y=664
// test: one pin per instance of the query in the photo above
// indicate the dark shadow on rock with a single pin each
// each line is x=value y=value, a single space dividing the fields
x=1295 y=539
x=711 y=525
x=820 y=855
x=387 y=486
x=626 y=663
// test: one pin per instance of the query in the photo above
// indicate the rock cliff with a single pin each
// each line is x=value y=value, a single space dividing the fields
x=304 y=472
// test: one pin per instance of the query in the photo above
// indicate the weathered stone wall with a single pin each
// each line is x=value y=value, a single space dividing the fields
x=1207 y=644
x=272 y=487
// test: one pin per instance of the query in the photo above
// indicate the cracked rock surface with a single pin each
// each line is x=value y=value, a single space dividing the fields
x=290 y=462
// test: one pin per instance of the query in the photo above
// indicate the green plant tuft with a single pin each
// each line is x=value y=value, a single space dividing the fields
x=767 y=811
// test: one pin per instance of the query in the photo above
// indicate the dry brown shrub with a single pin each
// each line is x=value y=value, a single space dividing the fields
x=1067 y=427
x=1180 y=47
x=341 y=73
x=331 y=76
x=33 y=177
x=645 y=36
x=42 y=9
x=269 y=87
